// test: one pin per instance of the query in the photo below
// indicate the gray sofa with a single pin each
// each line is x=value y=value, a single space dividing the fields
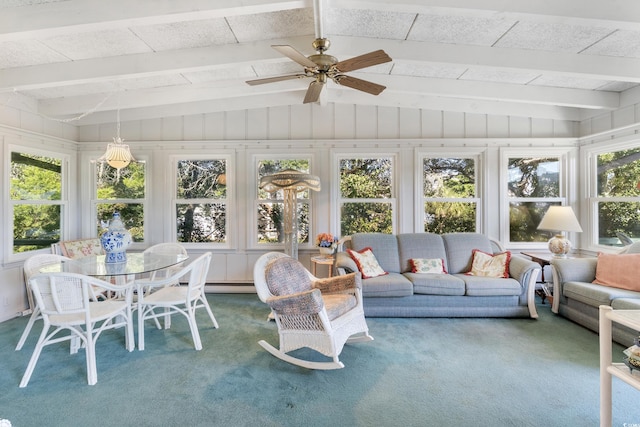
x=578 y=299
x=402 y=293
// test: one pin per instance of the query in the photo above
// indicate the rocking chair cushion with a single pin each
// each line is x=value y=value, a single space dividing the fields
x=286 y=276
x=338 y=304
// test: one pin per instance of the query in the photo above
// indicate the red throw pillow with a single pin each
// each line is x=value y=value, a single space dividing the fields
x=367 y=263
x=618 y=271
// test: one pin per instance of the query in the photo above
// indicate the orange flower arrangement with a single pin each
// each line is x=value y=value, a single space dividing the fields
x=325 y=240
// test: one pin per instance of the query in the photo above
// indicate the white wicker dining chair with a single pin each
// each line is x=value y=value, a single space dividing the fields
x=320 y=314
x=30 y=268
x=67 y=304
x=169 y=248
x=183 y=299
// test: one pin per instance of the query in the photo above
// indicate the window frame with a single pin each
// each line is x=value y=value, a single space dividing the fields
x=228 y=201
x=89 y=226
x=9 y=255
x=566 y=191
x=252 y=233
x=337 y=156
x=589 y=158
x=477 y=156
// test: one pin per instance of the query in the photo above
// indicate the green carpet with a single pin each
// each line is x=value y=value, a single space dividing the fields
x=417 y=372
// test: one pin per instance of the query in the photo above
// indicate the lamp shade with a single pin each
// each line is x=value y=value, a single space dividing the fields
x=118 y=154
x=289 y=179
x=560 y=218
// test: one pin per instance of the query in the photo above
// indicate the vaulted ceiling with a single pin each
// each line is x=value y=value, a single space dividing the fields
x=83 y=60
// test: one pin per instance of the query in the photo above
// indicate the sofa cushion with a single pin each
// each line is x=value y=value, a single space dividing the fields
x=390 y=285
x=593 y=294
x=384 y=246
x=420 y=245
x=367 y=263
x=490 y=286
x=489 y=265
x=459 y=247
x=427 y=266
x=436 y=284
x=618 y=270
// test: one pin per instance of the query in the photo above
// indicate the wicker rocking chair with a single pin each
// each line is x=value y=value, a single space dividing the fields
x=320 y=314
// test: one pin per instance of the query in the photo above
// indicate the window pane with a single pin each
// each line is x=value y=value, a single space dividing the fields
x=618 y=217
x=446 y=217
x=365 y=179
x=270 y=167
x=35 y=226
x=35 y=177
x=534 y=177
x=524 y=219
x=366 y=218
x=127 y=183
x=202 y=223
x=270 y=222
x=619 y=174
x=445 y=177
x=132 y=215
x=202 y=179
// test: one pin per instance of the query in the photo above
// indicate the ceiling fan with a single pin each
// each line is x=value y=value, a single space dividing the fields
x=322 y=67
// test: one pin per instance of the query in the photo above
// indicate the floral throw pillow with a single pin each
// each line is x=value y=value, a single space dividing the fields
x=426 y=266
x=490 y=265
x=367 y=263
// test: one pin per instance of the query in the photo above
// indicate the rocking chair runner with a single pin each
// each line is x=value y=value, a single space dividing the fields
x=321 y=314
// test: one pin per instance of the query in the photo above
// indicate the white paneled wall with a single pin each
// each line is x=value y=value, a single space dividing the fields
x=333 y=121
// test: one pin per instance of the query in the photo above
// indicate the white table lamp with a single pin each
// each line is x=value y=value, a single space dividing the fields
x=560 y=219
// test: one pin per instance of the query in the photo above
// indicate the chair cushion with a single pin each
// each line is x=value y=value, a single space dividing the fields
x=286 y=276
x=338 y=304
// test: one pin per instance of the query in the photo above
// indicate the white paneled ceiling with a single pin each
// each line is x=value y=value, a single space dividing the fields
x=563 y=60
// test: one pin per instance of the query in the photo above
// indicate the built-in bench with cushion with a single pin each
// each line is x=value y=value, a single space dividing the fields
x=406 y=291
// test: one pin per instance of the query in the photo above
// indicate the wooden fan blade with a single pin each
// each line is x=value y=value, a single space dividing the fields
x=274 y=79
x=363 y=85
x=313 y=93
x=291 y=53
x=363 y=61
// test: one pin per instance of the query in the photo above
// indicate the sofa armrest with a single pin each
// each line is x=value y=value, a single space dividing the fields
x=526 y=272
x=570 y=270
x=345 y=264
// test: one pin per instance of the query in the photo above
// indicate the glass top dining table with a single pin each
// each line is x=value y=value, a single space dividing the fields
x=137 y=263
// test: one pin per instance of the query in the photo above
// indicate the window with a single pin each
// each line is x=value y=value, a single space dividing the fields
x=121 y=191
x=617 y=196
x=366 y=198
x=449 y=195
x=201 y=200
x=36 y=200
x=270 y=206
x=533 y=184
